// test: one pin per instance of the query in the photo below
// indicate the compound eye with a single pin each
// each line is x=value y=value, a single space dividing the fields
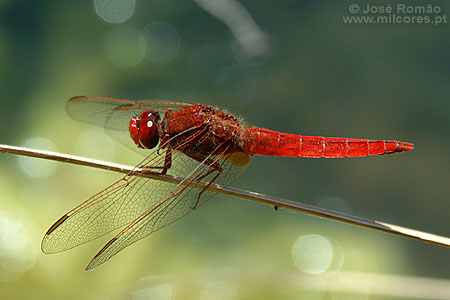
x=148 y=133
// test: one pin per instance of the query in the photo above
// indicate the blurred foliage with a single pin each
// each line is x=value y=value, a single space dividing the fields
x=316 y=76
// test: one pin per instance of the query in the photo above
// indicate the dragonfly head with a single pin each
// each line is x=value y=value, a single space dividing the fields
x=144 y=129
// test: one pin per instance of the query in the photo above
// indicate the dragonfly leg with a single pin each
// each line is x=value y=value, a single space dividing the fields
x=163 y=143
x=165 y=167
x=167 y=161
x=218 y=168
x=214 y=167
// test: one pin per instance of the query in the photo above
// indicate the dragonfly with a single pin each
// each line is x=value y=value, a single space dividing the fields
x=196 y=142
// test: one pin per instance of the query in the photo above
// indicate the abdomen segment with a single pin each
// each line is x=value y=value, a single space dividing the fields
x=268 y=142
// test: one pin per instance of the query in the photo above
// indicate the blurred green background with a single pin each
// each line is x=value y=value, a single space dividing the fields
x=293 y=66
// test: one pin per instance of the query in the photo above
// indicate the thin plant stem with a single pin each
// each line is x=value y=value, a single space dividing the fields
x=242 y=194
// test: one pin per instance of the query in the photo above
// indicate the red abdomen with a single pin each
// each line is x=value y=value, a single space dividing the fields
x=268 y=142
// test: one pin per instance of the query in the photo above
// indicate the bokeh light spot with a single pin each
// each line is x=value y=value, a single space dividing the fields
x=312 y=253
x=36 y=167
x=123 y=48
x=115 y=11
x=17 y=254
x=161 y=42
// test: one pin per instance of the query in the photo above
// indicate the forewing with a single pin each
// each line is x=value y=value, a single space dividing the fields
x=115 y=114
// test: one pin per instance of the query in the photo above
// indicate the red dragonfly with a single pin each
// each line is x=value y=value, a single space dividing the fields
x=196 y=142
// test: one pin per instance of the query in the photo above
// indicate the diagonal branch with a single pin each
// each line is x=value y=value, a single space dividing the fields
x=261 y=198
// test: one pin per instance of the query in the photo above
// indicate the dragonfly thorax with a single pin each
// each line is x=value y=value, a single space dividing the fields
x=144 y=129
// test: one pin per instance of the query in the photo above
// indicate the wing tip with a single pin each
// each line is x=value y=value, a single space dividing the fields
x=44 y=246
x=95 y=261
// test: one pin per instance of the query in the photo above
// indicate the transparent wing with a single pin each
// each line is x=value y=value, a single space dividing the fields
x=115 y=114
x=135 y=198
